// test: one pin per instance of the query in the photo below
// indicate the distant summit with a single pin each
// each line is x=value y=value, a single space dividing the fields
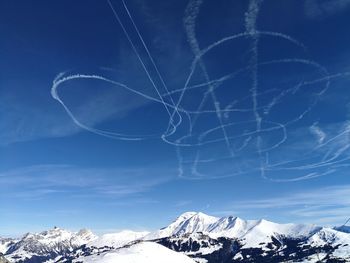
x=191 y=237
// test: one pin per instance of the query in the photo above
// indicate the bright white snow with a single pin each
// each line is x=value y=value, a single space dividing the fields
x=117 y=240
x=144 y=252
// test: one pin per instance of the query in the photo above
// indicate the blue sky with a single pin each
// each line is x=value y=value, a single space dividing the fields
x=122 y=115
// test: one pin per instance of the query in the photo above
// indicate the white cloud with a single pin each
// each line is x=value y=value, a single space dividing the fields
x=327 y=205
x=323 y=8
x=183 y=203
x=26 y=121
x=23 y=122
x=43 y=180
x=317 y=131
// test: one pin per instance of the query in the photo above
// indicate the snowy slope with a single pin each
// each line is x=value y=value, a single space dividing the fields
x=117 y=240
x=328 y=236
x=232 y=227
x=144 y=252
x=264 y=230
x=5 y=243
x=192 y=244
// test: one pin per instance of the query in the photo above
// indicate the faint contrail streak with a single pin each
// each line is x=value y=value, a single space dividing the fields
x=245 y=136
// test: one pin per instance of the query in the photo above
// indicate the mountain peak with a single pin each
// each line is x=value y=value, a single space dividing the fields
x=85 y=233
x=191 y=214
x=189 y=222
x=190 y=231
x=186 y=215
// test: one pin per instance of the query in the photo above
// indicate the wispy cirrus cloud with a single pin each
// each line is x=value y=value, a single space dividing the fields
x=40 y=181
x=26 y=121
x=316 y=9
x=48 y=193
x=327 y=205
x=22 y=121
x=183 y=203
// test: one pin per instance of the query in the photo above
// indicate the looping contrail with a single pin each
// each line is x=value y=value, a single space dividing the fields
x=235 y=135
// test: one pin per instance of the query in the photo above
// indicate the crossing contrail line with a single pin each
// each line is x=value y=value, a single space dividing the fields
x=237 y=127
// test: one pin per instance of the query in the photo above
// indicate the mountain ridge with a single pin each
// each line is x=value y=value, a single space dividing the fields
x=204 y=238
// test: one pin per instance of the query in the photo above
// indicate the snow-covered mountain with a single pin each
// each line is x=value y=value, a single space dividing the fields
x=204 y=238
x=47 y=244
x=252 y=232
x=330 y=237
x=231 y=239
x=189 y=222
x=5 y=243
x=263 y=230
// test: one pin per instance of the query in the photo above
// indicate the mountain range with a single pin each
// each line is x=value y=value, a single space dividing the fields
x=192 y=237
